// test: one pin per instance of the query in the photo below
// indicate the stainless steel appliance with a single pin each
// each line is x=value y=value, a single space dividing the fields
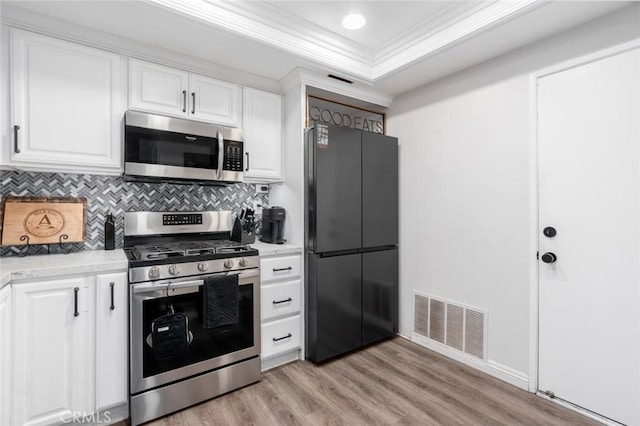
x=173 y=258
x=273 y=225
x=167 y=148
x=352 y=236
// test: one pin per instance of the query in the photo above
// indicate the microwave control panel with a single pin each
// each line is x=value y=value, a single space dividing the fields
x=233 y=156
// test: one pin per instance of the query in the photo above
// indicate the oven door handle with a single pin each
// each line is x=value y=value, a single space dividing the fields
x=174 y=285
x=157 y=286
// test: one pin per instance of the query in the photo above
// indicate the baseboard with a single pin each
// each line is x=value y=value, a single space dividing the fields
x=279 y=360
x=590 y=414
x=495 y=369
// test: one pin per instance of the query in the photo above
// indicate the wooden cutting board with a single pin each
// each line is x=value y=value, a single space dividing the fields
x=43 y=220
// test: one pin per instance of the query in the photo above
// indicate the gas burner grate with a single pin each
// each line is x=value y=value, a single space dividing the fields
x=187 y=248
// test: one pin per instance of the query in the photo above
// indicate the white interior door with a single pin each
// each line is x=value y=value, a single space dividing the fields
x=589 y=191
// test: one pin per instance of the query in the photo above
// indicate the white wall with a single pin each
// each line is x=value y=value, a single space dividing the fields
x=465 y=191
x=289 y=194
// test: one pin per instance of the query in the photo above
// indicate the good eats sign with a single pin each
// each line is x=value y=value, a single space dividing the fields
x=328 y=112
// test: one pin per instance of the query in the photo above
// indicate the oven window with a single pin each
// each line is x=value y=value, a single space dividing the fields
x=170 y=149
x=205 y=343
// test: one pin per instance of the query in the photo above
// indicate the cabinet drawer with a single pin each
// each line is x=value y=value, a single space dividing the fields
x=280 y=336
x=280 y=299
x=280 y=268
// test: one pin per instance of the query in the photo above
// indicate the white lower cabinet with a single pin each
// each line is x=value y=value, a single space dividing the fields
x=280 y=336
x=5 y=355
x=111 y=348
x=51 y=359
x=281 y=296
x=69 y=354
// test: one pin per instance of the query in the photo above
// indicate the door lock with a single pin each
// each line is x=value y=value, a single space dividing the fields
x=549 y=231
x=549 y=257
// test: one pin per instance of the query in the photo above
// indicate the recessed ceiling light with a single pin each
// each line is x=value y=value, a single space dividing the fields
x=354 y=21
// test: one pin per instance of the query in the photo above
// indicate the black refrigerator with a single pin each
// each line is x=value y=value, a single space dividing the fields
x=352 y=236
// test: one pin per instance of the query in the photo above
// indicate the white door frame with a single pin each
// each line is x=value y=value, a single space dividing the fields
x=533 y=191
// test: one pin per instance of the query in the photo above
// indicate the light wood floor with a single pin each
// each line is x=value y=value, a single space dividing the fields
x=394 y=382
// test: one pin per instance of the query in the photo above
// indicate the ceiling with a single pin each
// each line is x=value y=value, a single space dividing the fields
x=405 y=44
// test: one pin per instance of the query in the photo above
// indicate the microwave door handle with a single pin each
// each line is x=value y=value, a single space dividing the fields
x=220 y=154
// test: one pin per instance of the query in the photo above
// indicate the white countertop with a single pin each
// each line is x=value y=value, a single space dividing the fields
x=267 y=249
x=42 y=266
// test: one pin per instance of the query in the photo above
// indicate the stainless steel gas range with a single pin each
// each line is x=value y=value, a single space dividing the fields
x=194 y=310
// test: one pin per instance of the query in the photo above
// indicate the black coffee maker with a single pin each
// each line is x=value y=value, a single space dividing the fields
x=273 y=225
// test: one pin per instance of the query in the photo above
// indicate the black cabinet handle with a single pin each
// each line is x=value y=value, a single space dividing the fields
x=275 y=339
x=112 y=285
x=184 y=101
x=16 y=145
x=75 y=301
x=247 y=168
x=193 y=98
x=275 y=302
x=288 y=268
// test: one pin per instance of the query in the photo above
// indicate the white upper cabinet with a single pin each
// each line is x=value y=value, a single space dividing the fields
x=67 y=104
x=262 y=118
x=158 y=89
x=169 y=91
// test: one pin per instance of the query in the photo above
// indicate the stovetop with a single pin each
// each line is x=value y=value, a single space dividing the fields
x=185 y=249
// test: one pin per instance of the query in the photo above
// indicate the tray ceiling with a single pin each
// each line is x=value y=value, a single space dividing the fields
x=405 y=44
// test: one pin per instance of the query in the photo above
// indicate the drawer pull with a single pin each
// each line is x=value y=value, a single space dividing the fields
x=112 y=285
x=276 y=302
x=16 y=145
x=75 y=301
x=275 y=339
x=288 y=268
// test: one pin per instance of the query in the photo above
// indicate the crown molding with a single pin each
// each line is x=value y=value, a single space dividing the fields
x=268 y=24
x=480 y=20
x=279 y=30
x=453 y=13
x=12 y=16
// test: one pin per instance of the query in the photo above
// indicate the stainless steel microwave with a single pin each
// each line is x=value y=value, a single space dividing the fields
x=176 y=149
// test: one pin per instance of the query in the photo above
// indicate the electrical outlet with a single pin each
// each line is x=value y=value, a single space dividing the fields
x=257 y=207
x=262 y=188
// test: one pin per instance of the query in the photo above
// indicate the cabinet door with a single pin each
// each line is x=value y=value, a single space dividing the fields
x=111 y=340
x=68 y=104
x=5 y=355
x=214 y=101
x=379 y=190
x=379 y=295
x=158 y=89
x=52 y=357
x=262 y=126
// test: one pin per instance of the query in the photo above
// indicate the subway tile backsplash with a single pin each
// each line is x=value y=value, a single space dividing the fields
x=112 y=193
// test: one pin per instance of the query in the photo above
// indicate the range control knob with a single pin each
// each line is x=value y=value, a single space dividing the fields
x=203 y=266
x=174 y=269
x=228 y=263
x=243 y=262
x=154 y=273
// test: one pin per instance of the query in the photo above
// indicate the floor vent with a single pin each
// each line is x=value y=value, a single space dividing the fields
x=458 y=326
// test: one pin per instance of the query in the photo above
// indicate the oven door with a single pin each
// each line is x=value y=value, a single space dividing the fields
x=163 y=154
x=208 y=349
